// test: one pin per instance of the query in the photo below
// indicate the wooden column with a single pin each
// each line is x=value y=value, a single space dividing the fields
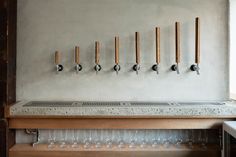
x=7 y=54
x=7 y=69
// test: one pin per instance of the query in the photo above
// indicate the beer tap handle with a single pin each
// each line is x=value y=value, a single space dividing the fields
x=78 y=66
x=59 y=67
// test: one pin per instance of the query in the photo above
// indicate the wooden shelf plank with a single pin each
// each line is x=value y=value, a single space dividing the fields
x=26 y=150
x=116 y=123
x=44 y=147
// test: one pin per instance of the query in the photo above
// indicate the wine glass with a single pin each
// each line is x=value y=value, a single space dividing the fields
x=143 y=134
x=179 y=134
x=108 y=138
x=75 y=137
x=87 y=138
x=190 y=138
x=155 y=138
x=204 y=139
x=174 y=139
x=133 y=138
x=177 y=138
x=121 y=142
x=51 y=139
x=98 y=138
x=63 y=137
x=166 y=138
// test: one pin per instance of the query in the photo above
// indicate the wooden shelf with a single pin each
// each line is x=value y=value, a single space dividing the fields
x=51 y=122
x=26 y=150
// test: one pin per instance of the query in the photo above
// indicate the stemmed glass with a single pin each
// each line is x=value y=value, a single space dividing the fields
x=121 y=142
x=63 y=137
x=75 y=138
x=51 y=139
x=166 y=138
x=155 y=138
x=143 y=134
x=87 y=138
x=178 y=138
x=190 y=138
x=133 y=138
x=98 y=138
x=204 y=138
x=108 y=138
x=174 y=140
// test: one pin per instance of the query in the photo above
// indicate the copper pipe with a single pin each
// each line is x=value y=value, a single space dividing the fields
x=137 y=47
x=77 y=57
x=117 y=44
x=57 y=57
x=197 y=40
x=177 y=42
x=158 y=45
x=97 y=52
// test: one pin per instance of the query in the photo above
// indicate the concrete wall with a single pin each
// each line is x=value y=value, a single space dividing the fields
x=48 y=25
x=232 y=48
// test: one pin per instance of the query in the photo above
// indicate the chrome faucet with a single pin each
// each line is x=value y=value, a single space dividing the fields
x=155 y=67
x=97 y=68
x=136 y=68
x=117 y=68
x=78 y=68
x=195 y=67
x=175 y=67
x=59 y=68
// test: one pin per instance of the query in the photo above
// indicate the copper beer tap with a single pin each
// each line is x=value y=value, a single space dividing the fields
x=136 y=67
x=117 y=66
x=195 y=67
x=97 y=67
x=78 y=66
x=155 y=67
x=59 y=67
x=175 y=67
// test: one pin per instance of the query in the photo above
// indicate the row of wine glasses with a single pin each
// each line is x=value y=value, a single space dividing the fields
x=109 y=138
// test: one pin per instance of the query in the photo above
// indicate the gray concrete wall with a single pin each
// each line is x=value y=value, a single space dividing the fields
x=232 y=48
x=48 y=25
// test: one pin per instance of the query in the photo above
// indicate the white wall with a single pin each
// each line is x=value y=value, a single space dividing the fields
x=233 y=48
x=48 y=25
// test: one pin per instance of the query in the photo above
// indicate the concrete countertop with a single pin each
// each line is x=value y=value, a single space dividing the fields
x=230 y=127
x=221 y=109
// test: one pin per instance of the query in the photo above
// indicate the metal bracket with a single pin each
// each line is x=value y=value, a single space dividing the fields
x=35 y=133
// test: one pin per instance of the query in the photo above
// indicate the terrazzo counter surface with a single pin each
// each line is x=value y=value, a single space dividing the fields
x=193 y=109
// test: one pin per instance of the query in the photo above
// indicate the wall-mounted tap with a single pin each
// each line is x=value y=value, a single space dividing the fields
x=136 y=67
x=97 y=67
x=117 y=66
x=155 y=67
x=175 y=67
x=59 y=67
x=195 y=67
x=78 y=66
